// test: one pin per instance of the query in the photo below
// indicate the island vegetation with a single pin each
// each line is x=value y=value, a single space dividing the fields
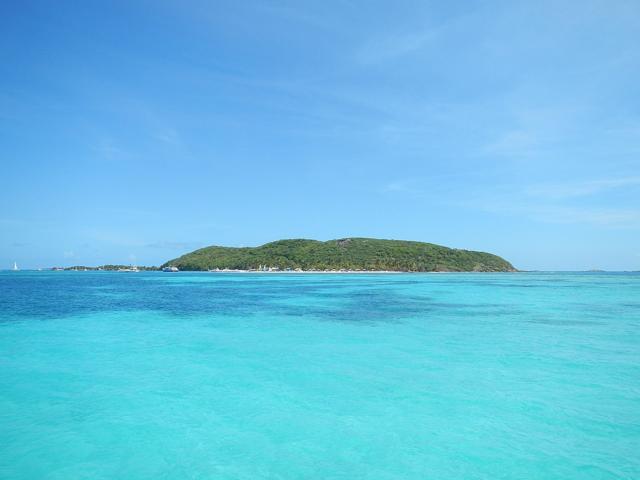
x=353 y=254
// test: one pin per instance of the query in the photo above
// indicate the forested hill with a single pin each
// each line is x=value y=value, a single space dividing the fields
x=343 y=254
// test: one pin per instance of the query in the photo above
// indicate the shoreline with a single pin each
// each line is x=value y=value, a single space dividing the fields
x=332 y=271
x=263 y=272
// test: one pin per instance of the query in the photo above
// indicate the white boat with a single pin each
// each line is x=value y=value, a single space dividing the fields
x=15 y=267
x=130 y=269
x=170 y=269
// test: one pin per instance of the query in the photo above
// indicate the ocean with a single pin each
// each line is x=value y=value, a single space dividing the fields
x=319 y=376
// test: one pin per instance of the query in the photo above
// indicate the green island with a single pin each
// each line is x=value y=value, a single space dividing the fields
x=347 y=254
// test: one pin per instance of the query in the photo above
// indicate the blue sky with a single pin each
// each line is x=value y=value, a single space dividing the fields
x=136 y=131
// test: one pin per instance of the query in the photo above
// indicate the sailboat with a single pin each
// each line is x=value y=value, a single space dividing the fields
x=15 y=267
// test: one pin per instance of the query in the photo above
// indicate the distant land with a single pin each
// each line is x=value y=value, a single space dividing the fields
x=108 y=268
x=350 y=254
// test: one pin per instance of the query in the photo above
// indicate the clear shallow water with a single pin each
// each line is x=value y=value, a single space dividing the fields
x=416 y=376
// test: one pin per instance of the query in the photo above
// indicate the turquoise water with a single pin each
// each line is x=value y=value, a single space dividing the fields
x=239 y=376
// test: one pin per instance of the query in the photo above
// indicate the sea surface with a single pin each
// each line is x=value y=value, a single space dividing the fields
x=319 y=376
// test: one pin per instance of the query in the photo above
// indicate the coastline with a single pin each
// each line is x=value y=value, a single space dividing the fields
x=286 y=272
x=276 y=272
x=303 y=271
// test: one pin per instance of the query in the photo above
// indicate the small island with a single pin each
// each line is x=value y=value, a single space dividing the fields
x=347 y=254
x=107 y=268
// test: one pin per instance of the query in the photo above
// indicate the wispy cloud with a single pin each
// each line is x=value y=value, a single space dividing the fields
x=611 y=217
x=398 y=186
x=109 y=149
x=514 y=143
x=169 y=136
x=558 y=191
x=168 y=245
x=510 y=201
x=559 y=203
x=579 y=189
x=391 y=47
